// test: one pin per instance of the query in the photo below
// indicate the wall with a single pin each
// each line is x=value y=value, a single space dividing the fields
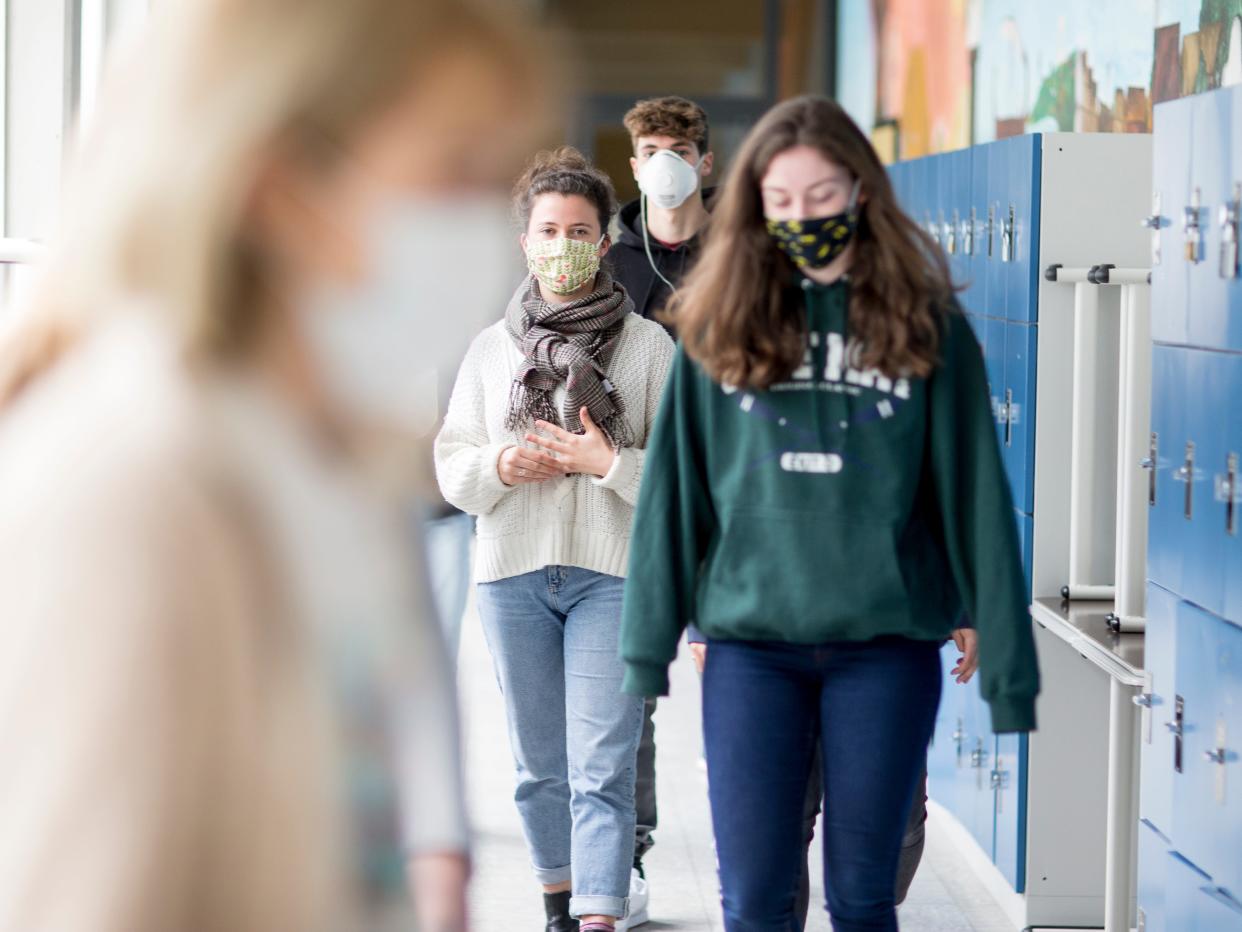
x=935 y=75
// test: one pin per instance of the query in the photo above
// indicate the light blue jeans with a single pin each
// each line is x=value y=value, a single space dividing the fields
x=553 y=635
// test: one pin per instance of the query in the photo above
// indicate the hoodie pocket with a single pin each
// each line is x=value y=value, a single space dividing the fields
x=804 y=576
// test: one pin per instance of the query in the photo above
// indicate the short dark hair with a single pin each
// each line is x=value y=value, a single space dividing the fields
x=668 y=116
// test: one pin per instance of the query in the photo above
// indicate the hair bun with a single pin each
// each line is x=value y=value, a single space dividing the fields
x=554 y=161
x=565 y=171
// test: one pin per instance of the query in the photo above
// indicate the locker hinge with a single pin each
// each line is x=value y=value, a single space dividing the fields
x=1155 y=222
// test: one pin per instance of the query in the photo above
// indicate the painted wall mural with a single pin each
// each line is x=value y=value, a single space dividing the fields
x=935 y=75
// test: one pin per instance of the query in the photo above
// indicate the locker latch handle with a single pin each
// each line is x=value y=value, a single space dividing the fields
x=1142 y=700
x=950 y=234
x=1229 y=212
x=991 y=221
x=1192 y=229
x=968 y=234
x=1187 y=474
x=1007 y=413
x=1175 y=726
x=978 y=755
x=1149 y=463
x=1007 y=238
x=1227 y=491
x=931 y=226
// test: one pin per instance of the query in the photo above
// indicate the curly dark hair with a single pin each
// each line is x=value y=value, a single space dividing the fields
x=564 y=171
x=668 y=116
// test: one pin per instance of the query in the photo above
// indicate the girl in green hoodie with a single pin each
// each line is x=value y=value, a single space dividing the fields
x=824 y=498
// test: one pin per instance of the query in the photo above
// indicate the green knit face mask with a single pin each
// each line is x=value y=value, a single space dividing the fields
x=563 y=265
x=815 y=242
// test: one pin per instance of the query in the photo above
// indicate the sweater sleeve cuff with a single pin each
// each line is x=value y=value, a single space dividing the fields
x=1011 y=714
x=490 y=474
x=645 y=679
x=621 y=473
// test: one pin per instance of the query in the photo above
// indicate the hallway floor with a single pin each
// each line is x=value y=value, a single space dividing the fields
x=681 y=867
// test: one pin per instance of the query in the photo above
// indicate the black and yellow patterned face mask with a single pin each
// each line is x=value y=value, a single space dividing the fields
x=813 y=243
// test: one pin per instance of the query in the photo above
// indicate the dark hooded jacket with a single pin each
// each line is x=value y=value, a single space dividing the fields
x=634 y=272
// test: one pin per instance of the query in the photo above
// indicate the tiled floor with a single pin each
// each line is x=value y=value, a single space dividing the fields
x=681 y=868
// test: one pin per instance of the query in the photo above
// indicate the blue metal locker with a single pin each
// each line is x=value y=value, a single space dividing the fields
x=1207 y=410
x=1215 y=753
x=994 y=358
x=1210 y=184
x=976 y=243
x=1009 y=781
x=1229 y=225
x=997 y=210
x=1196 y=813
x=1153 y=869
x=1156 y=783
x=1227 y=484
x=1017 y=413
x=944 y=757
x=979 y=326
x=957 y=197
x=1170 y=277
x=1168 y=533
x=1019 y=226
x=1026 y=536
x=1182 y=894
x=1216 y=910
x=976 y=798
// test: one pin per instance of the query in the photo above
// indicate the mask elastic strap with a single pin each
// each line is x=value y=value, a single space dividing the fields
x=852 y=207
x=642 y=207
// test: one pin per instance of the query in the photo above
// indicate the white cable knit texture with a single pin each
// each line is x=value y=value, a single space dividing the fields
x=574 y=521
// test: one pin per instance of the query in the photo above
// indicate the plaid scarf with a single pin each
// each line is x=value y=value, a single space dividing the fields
x=571 y=343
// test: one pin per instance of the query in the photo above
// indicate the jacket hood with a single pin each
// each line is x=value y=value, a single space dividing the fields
x=630 y=220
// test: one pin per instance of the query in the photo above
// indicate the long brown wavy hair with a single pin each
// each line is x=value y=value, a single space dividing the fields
x=734 y=312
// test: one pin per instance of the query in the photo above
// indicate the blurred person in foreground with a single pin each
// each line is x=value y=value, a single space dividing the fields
x=224 y=702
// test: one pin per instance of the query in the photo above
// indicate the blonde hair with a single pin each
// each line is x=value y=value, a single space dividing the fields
x=158 y=198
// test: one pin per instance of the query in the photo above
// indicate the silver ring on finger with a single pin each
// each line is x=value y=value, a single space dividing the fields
x=522 y=473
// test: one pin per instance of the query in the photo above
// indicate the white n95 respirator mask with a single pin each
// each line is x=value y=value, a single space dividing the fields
x=667 y=180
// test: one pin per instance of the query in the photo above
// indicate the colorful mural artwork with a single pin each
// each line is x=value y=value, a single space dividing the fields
x=935 y=75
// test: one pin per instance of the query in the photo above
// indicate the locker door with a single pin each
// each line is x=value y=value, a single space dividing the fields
x=1153 y=869
x=947 y=751
x=994 y=358
x=1226 y=479
x=1026 y=536
x=956 y=210
x=1219 y=750
x=1227 y=486
x=979 y=326
x=1167 y=534
x=1216 y=910
x=976 y=798
x=977 y=244
x=1182 y=894
x=1170 y=277
x=1017 y=412
x=1207 y=304
x=1196 y=811
x=929 y=196
x=1232 y=217
x=1208 y=409
x=1009 y=780
x=1019 y=224
x=997 y=210
x=1156 y=741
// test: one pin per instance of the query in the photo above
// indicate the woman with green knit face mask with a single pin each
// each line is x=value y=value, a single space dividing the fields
x=545 y=440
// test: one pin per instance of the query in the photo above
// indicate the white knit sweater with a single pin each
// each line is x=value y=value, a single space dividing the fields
x=574 y=521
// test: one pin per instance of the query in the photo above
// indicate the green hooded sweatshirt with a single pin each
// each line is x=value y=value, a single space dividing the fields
x=840 y=505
